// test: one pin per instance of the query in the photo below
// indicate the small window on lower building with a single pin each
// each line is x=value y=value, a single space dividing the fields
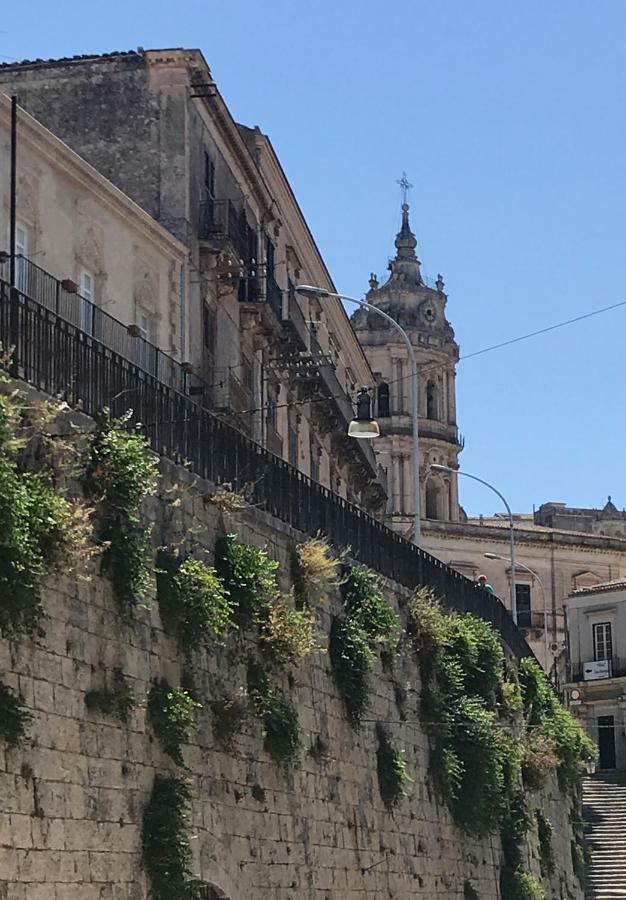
x=522 y=603
x=315 y=464
x=87 y=299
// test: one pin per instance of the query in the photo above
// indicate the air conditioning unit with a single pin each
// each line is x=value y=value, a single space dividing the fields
x=596 y=670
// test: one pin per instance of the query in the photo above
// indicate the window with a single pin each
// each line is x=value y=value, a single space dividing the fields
x=209 y=174
x=602 y=641
x=208 y=328
x=293 y=446
x=432 y=401
x=522 y=604
x=247 y=373
x=271 y=412
x=315 y=463
x=21 y=263
x=87 y=299
x=383 y=401
x=432 y=501
x=145 y=350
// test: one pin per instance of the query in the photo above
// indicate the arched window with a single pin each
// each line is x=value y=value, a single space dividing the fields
x=432 y=401
x=433 y=500
x=383 y=401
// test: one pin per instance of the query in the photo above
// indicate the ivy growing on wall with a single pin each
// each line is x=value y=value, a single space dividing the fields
x=278 y=715
x=248 y=576
x=121 y=472
x=172 y=715
x=193 y=602
x=546 y=850
x=165 y=845
x=41 y=532
x=366 y=623
x=115 y=699
x=393 y=779
x=13 y=717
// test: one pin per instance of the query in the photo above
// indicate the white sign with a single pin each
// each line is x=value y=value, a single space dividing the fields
x=594 y=671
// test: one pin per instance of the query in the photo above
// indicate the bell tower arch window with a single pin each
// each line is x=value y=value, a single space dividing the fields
x=432 y=400
x=383 y=401
x=433 y=500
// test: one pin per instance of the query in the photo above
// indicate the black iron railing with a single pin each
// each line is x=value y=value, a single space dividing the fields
x=61 y=298
x=616 y=669
x=220 y=222
x=57 y=357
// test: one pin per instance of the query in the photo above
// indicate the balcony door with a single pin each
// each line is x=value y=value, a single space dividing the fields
x=606 y=742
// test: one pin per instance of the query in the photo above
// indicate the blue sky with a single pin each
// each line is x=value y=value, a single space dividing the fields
x=511 y=123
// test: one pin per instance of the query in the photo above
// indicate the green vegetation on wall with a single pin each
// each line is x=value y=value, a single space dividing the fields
x=172 y=714
x=13 y=717
x=278 y=715
x=249 y=578
x=165 y=844
x=393 y=780
x=193 y=602
x=368 y=622
x=546 y=850
x=120 y=473
x=41 y=532
x=115 y=700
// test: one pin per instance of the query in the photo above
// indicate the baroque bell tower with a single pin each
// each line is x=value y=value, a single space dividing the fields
x=420 y=309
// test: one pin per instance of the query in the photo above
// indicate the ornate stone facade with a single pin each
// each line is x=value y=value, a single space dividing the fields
x=421 y=311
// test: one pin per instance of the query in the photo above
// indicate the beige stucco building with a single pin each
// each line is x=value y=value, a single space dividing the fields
x=76 y=225
x=596 y=667
x=280 y=368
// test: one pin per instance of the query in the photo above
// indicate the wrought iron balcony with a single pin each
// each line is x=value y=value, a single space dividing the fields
x=616 y=669
x=221 y=223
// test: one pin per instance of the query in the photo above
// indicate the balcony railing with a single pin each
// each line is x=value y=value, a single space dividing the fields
x=70 y=306
x=221 y=222
x=616 y=669
x=55 y=356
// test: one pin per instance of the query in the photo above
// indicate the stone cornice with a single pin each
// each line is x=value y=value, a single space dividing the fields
x=543 y=537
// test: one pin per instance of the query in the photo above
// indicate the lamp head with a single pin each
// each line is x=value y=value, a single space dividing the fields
x=309 y=290
x=363 y=425
x=492 y=556
x=437 y=468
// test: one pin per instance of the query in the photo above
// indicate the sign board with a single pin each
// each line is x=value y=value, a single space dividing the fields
x=594 y=671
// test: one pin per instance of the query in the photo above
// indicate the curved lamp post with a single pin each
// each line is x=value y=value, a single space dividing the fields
x=438 y=468
x=543 y=594
x=308 y=290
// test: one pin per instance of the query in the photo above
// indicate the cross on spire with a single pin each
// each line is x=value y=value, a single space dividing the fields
x=406 y=186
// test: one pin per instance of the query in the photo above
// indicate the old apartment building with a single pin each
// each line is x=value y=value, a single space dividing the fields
x=282 y=369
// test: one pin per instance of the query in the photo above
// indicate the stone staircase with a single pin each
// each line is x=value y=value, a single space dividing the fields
x=604 y=809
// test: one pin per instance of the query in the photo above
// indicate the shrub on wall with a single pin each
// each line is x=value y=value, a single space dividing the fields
x=193 y=603
x=121 y=472
x=165 y=845
x=286 y=632
x=13 y=717
x=278 y=715
x=315 y=569
x=41 y=532
x=367 y=622
x=172 y=715
x=248 y=576
x=115 y=700
x=546 y=850
x=544 y=714
x=393 y=779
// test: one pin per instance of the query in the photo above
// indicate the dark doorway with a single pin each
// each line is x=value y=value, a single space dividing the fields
x=606 y=742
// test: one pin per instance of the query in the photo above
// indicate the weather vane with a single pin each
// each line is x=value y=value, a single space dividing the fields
x=406 y=186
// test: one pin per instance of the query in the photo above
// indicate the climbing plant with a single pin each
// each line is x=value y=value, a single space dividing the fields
x=286 y=633
x=13 y=716
x=546 y=850
x=571 y=745
x=165 y=845
x=172 y=714
x=393 y=778
x=278 y=715
x=120 y=472
x=248 y=576
x=367 y=623
x=193 y=602
x=115 y=699
x=41 y=532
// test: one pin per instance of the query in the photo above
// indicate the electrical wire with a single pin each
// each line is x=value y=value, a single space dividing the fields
x=438 y=365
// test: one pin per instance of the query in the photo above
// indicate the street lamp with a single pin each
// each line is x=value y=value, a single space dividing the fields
x=543 y=594
x=363 y=425
x=438 y=468
x=311 y=291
